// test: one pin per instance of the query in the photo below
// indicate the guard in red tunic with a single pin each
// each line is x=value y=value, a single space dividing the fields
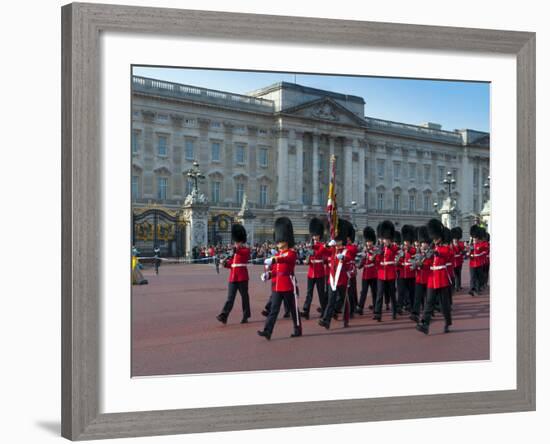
x=282 y=269
x=458 y=252
x=368 y=265
x=478 y=254
x=316 y=271
x=351 y=268
x=486 y=258
x=338 y=277
x=238 y=275
x=438 y=280
x=421 y=264
x=448 y=242
x=385 y=264
x=407 y=276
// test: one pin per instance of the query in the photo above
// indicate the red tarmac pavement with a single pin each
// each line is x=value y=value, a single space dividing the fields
x=175 y=331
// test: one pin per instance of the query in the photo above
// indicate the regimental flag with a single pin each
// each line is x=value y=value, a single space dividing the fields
x=332 y=213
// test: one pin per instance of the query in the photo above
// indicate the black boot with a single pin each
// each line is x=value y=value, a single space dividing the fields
x=423 y=328
x=304 y=314
x=222 y=318
x=297 y=333
x=265 y=313
x=286 y=315
x=265 y=334
x=244 y=320
x=446 y=330
x=322 y=323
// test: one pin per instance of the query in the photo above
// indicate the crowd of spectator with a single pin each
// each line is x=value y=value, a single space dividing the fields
x=258 y=251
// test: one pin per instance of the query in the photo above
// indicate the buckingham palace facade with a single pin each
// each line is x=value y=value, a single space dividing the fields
x=274 y=145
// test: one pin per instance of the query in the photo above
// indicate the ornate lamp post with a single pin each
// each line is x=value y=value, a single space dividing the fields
x=448 y=209
x=195 y=213
x=450 y=181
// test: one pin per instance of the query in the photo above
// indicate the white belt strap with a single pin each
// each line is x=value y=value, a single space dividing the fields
x=480 y=254
x=439 y=267
x=370 y=265
x=316 y=261
x=238 y=265
x=387 y=263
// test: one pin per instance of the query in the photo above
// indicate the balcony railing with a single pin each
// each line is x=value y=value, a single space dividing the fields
x=178 y=90
x=405 y=129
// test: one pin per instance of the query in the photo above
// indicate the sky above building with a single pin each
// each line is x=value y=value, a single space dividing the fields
x=452 y=104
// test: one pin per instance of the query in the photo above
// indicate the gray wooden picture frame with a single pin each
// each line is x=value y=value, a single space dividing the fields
x=81 y=172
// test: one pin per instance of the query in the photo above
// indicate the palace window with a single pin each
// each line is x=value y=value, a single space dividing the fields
x=162 y=148
x=476 y=177
x=440 y=174
x=162 y=117
x=216 y=191
x=397 y=170
x=240 y=155
x=189 y=149
x=215 y=151
x=476 y=204
x=380 y=168
x=397 y=201
x=427 y=173
x=263 y=195
x=135 y=142
x=240 y=192
x=263 y=157
x=162 y=188
x=427 y=202
x=135 y=187
x=412 y=203
x=380 y=201
x=366 y=167
x=412 y=171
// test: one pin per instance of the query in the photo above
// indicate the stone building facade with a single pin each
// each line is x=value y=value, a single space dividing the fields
x=274 y=145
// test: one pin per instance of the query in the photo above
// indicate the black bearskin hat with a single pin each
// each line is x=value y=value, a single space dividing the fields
x=316 y=227
x=407 y=232
x=475 y=231
x=344 y=230
x=351 y=232
x=386 y=230
x=369 y=234
x=456 y=233
x=238 y=233
x=284 y=231
x=397 y=237
x=435 y=229
x=423 y=235
x=482 y=233
x=447 y=238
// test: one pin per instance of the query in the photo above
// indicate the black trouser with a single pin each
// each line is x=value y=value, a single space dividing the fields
x=458 y=278
x=443 y=294
x=232 y=288
x=352 y=294
x=385 y=290
x=285 y=303
x=334 y=297
x=365 y=285
x=476 y=277
x=277 y=297
x=311 y=284
x=485 y=275
x=405 y=288
x=419 y=298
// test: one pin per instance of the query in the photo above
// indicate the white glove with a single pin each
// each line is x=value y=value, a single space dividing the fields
x=340 y=256
x=273 y=252
x=265 y=276
x=332 y=243
x=268 y=261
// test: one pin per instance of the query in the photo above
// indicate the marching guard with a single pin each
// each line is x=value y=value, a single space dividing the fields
x=478 y=253
x=316 y=267
x=282 y=269
x=368 y=264
x=421 y=264
x=458 y=251
x=238 y=275
x=407 y=274
x=438 y=280
x=337 y=277
x=385 y=264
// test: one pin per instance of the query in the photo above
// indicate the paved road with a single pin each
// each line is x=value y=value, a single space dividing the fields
x=174 y=330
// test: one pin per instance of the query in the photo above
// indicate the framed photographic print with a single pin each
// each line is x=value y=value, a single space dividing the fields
x=268 y=221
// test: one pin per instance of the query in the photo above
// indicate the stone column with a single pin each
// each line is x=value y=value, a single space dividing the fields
x=195 y=213
x=361 y=182
x=282 y=168
x=315 y=171
x=299 y=166
x=331 y=141
x=227 y=191
x=348 y=159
